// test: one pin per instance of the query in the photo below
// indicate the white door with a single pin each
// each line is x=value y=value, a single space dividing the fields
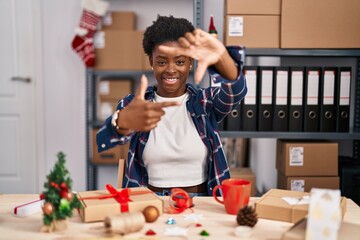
x=18 y=132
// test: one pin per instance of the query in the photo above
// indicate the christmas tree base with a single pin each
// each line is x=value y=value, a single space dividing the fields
x=55 y=226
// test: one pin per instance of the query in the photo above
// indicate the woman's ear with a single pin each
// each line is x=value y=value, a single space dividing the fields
x=191 y=62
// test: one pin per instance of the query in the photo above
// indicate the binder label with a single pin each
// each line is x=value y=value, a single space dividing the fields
x=297 y=88
x=266 y=87
x=344 y=89
x=236 y=26
x=296 y=156
x=313 y=88
x=297 y=185
x=329 y=87
x=250 y=98
x=281 y=87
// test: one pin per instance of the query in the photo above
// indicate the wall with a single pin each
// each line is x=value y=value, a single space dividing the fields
x=64 y=89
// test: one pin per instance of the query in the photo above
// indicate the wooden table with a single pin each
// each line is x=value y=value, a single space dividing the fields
x=214 y=220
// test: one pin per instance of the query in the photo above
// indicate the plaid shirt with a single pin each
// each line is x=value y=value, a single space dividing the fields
x=207 y=107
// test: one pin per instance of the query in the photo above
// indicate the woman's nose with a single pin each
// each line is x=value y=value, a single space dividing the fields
x=171 y=68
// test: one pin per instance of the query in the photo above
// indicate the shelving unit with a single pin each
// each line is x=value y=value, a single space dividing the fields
x=353 y=135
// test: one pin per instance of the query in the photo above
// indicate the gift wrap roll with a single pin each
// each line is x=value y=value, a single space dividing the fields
x=125 y=223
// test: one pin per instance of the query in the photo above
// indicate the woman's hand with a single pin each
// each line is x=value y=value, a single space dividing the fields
x=207 y=50
x=141 y=115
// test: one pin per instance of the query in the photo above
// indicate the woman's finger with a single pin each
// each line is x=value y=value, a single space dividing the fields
x=184 y=42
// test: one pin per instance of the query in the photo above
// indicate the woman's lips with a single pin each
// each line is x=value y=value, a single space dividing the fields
x=170 y=80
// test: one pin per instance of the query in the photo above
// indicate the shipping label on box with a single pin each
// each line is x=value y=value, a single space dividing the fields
x=252 y=31
x=307 y=158
x=99 y=204
x=272 y=205
x=305 y=184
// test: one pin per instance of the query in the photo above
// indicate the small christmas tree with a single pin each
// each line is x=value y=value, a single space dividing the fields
x=59 y=199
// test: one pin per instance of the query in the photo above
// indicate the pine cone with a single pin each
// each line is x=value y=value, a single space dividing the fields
x=247 y=216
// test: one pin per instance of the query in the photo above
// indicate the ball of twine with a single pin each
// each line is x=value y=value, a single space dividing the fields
x=125 y=223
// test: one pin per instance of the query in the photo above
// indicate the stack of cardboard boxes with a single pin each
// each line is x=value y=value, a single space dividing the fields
x=292 y=23
x=303 y=165
x=254 y=24
x=118 y=47
x=109 y=92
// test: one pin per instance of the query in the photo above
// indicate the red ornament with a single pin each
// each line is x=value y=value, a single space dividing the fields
x=54 y=185
x=48 y=208
x=150 y=233
x=64 y=186
x=42 y=196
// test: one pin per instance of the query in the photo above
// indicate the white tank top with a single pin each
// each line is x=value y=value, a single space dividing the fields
x=175 y=155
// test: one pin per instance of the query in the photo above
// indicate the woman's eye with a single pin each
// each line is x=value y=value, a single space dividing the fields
x=180 y=63
x=161 y=63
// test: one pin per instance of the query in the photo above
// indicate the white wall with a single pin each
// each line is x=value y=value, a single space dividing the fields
x=64 y=89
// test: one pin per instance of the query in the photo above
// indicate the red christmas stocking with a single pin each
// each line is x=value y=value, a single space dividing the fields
x=83 y=41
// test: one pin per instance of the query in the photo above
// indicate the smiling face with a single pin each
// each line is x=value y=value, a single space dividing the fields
x=170 y=71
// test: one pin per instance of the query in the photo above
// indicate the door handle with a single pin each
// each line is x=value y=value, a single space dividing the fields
x=21 y=79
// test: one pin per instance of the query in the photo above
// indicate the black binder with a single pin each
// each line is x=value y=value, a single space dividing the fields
x=249 y=111
x=327 y=99
x=281 y=100
x=343 y=99
x=311 y=99
x=265 y=113
x=222 y=125
x=296 y=99
x=233 y=119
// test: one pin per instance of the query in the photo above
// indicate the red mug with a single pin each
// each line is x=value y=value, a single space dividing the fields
x=236 y=194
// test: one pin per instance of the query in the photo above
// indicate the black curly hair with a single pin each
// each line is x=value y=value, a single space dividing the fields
x=165 y=29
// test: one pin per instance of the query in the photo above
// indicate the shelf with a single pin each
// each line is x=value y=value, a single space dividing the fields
x=276 y=52
x=292 y=135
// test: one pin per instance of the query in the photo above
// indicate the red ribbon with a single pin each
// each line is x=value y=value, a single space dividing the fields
x=122 y=197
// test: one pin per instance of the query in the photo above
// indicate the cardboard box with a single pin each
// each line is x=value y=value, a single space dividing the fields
x=305 y=184
x=272 y=206
x=320 y=24
x=347 y=231
x=146 y=64
x=114 y=88
x=247 y=174
x=110 y=156
x=252 y=7
x=119 y=50
x=97 y=209
x=105 y=108
x=119 y=21
x=307 y=158
x=252 y=31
